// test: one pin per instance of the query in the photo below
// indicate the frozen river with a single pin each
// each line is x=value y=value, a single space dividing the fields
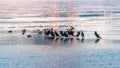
x=18 y=51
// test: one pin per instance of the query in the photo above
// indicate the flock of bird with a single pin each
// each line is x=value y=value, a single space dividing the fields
x=66 y=34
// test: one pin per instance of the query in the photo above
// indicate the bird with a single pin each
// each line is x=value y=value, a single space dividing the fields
x=66 y=34
x=97 y=35
x=29 y=36
x=61 y=33
x=10 y=31
x=46 y=32
x=82 y=34
x=52 y=34
x=70 y=32
x=56 y=34
x=78 y=34
x=23 y=31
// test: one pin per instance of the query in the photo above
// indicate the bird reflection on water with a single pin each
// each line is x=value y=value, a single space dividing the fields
x=82 y=40
x=67 y=41
x=97 y=40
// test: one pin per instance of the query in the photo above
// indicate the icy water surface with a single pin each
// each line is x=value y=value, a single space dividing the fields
x=38 y=52
x=18 y=51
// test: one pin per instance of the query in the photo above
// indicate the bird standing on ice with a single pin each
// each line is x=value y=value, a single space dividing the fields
x=23 y=31
x=97 y=35
x=82 y=34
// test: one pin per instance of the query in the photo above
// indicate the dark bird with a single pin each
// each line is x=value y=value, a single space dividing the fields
x=10 y=31
x=23 y=31
x=65 y=34
x=72 y=28
x=56 y=34
x=70 y=32
x=52 y=33
x=61 y=33
x=82 y=34
x=78 y=34
x=97 y=35
x=46 y=32
x=29 y=36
